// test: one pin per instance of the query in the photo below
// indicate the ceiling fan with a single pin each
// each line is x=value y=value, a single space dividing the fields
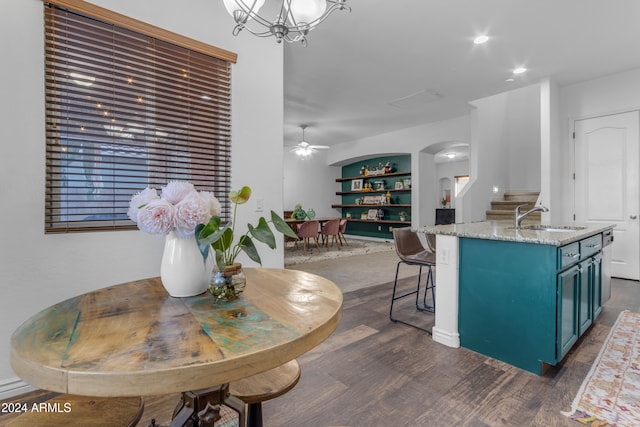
x=304 y=149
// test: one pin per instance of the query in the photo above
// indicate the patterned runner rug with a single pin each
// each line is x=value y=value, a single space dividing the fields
x=611 y=391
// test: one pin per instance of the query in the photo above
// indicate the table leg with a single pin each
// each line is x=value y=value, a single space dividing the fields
x=201 y=408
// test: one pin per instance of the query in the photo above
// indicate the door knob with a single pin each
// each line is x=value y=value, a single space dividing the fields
x=633 y=216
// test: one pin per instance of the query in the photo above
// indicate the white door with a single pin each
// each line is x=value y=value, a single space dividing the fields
x=606 y=184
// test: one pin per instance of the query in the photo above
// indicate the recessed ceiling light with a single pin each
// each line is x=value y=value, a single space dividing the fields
x=481 y=39
x=451 y=155
x=519 y=70
x=510 y=80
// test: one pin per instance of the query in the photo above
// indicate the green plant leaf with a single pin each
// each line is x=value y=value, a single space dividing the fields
x=204 y=247
x=240 y=197
x=224 y=238
x=246 y=244
x=282 y=226
x=263 y=233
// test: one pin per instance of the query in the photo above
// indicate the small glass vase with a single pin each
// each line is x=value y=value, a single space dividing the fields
x=229 y=284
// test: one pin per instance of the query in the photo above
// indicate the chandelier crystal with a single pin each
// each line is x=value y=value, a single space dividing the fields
x=291 y=20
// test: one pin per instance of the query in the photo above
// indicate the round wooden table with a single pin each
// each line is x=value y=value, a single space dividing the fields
x=133 y=339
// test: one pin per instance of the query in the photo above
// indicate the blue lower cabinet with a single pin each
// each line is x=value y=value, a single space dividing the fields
x=525 y=304
x=568 y=297
x=507 y=301
x=597 y=285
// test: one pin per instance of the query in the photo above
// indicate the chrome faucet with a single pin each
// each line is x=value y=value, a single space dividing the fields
x=519 y=217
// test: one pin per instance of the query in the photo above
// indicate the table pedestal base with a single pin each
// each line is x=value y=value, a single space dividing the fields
x=201 y=408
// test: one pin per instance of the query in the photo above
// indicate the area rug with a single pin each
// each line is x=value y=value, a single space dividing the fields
x=610 y=394
x=297 y=255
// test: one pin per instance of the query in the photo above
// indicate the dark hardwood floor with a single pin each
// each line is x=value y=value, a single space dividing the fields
x=372 y=372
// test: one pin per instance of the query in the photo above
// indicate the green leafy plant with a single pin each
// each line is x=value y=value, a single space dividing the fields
x=220 y=237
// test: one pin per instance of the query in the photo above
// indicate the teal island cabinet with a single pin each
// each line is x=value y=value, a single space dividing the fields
x=525 y=295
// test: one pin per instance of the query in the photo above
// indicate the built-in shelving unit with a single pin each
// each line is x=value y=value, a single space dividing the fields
x=396 y=185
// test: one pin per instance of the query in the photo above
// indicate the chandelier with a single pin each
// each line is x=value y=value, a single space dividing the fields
x=292 y=19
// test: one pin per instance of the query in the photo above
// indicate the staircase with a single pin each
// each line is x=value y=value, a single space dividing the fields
x=504 y=210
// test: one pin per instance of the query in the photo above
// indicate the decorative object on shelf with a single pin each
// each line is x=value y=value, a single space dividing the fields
x=379 y=185
x=347 y=215
x=358 y=201
x=403 y=216
x=444 y=202
x=388 y=168
x=398 y=185
x=175 y=213
x=407 y=183
x=293 y=18
x=221 y=238
x=356 y=185
x=229 y=283
x=372 y=214
x=388 y=197
x=311 y=213
x=363 y=169
x=364 y=214
x=372 y=200
x=380 y=214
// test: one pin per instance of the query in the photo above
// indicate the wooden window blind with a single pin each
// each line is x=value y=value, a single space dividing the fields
x=126 y=111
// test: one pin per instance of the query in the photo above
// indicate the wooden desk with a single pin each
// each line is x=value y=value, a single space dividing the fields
x=134 y=339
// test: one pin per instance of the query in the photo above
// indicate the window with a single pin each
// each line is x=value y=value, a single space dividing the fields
x=128 y=106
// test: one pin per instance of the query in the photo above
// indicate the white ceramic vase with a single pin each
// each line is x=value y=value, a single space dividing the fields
x=183 y=271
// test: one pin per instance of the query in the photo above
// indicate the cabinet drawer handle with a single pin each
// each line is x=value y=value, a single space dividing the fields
x=571 y=255
x=594 y=245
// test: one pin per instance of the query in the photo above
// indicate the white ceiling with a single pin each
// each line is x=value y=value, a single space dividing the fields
x=357 y=63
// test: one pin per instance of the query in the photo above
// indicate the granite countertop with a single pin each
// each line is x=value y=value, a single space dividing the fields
x=504 y=230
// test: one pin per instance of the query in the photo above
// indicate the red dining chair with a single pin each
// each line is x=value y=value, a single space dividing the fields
x=341 y=230
x=307 y=230
x=330 y=229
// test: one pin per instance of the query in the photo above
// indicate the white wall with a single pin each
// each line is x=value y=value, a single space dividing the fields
x=37 y=270
x=312 y=183
x=606 y=95
x=411 y=141
x=505 y=149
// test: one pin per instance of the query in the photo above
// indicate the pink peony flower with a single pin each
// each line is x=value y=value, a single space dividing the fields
x=156 y=217
x=139 y=200
x=194 y=209
x=214 y=204
x=176 y=191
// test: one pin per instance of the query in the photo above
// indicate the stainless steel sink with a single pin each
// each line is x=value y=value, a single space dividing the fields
x=553 y=228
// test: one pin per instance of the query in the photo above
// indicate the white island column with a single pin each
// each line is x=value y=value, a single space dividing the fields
x=445 y=330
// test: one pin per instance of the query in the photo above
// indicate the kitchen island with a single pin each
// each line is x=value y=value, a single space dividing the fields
x=523 y=296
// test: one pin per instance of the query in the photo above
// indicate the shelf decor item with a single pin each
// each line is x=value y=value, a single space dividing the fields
x=228 y=283
x=356 y=185
x=403 y=216
x=175 y=213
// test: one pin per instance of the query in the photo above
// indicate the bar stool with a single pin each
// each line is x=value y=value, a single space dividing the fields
x=71 y=410
x=265 y=386
x=411 y=252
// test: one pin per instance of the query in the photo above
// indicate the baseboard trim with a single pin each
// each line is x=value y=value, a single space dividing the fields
x=450 y=339
x=11 y=387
